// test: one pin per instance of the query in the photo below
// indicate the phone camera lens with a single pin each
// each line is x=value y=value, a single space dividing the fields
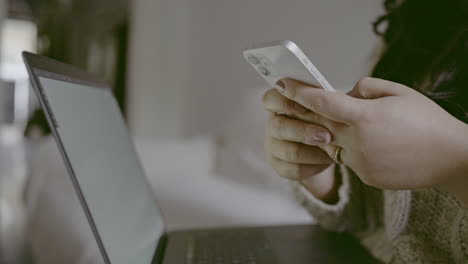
x=253 y=59
x=264 y=71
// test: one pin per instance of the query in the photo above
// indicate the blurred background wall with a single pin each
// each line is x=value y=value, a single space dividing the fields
x=187 y=75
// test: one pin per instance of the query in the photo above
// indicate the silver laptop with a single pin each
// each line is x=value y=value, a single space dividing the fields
x=119 y=204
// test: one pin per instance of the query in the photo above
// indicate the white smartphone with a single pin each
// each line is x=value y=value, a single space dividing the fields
x=284 y=59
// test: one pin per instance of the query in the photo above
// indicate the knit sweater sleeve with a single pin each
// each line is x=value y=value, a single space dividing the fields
x=358 y=208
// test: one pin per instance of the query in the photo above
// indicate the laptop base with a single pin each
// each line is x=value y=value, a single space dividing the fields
x=301 y=244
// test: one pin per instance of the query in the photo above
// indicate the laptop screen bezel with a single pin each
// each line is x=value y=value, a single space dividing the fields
x=45 y=67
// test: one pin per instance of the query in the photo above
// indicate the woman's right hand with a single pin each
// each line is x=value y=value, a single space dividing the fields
x=305 y=163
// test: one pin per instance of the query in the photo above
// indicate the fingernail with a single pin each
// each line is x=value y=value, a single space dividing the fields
x=280 y=86
x=299 y=108
x=313 y=136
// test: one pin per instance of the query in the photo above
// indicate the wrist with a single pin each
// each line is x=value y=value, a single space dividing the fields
x=462 y=192
x=465 y=155
x=456 y=184
x=324 y=186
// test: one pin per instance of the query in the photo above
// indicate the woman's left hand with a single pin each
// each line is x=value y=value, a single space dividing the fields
x=392 y=136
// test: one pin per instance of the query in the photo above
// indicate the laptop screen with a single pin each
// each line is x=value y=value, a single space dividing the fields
x=102 y=157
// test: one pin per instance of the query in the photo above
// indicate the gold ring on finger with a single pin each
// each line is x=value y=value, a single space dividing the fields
x=337 y=155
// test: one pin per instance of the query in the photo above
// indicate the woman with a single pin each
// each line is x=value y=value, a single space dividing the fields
x=385 y=161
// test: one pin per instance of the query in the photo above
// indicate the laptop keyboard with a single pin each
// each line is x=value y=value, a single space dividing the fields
x=236 y=247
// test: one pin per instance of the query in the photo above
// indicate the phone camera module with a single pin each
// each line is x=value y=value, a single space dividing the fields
x=253 y=59
x=264 y=71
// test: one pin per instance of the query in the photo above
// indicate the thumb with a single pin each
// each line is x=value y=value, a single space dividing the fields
x=335 y=106
x=373 y=88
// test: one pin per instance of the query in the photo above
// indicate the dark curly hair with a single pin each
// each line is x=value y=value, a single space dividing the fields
x=426 y=48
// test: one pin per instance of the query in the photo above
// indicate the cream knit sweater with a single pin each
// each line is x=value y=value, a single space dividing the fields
x=423 y=226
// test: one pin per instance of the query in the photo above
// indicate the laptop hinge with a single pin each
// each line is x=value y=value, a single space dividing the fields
x=161 y=248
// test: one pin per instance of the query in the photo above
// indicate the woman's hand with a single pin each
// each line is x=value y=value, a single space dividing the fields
x=392 y=136
x=291 y=147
